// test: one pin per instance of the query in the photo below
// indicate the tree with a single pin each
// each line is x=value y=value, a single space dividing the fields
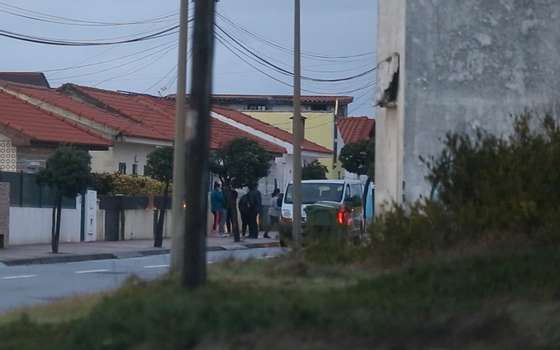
x=359 y=157
x=314 y=171
x=68 y=173
x=238 y=164
x=160 y=167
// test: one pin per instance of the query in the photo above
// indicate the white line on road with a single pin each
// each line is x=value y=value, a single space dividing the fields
x=90 y=271
x=18 y=277
x=156 y=266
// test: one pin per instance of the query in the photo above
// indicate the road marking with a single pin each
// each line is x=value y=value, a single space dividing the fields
x=18 y=277
x=90 y=271
x=156 y=266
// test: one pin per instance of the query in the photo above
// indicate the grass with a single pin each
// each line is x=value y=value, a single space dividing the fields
x=63 y=310
x=504 y=301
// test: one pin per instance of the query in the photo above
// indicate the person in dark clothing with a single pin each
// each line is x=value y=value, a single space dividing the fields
x=229 y=213
x=244 y=213
x=254 y=208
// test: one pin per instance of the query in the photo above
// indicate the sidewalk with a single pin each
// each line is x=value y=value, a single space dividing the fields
x=73 y=252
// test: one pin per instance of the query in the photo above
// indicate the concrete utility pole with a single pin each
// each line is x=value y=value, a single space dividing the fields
x=297 y=127
x=197 y=145
x=178 y=211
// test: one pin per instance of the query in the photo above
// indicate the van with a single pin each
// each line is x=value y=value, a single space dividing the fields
x=338 y=192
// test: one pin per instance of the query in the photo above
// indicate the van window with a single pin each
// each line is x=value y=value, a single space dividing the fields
x=347 y=194
x=356 y=190
x=316 y=192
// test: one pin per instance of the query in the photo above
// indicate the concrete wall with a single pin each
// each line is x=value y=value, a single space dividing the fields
x=33 y=225
x=390 y=121
x=474 y=63
x=464 y=64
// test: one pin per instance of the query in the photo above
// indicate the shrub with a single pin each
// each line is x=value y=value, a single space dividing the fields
x=129 y=185
x=486 y=189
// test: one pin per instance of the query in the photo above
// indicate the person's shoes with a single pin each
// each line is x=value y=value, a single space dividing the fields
x=266 y=235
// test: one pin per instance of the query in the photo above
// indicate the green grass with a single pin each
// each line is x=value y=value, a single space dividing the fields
x=505 y=301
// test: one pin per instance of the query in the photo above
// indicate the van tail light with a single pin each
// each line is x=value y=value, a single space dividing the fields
x=343 y=216
x=340 y=216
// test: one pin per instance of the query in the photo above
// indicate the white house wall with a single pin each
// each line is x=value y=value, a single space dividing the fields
x=129 y=153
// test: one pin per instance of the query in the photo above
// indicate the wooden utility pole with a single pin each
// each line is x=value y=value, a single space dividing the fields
x=178 y=210
x=297 y=127
x=197 y=145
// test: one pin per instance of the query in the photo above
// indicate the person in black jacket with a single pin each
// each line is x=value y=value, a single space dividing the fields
x=254 y=199
x=244 y=213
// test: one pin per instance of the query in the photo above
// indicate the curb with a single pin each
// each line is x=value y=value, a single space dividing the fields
x=58 y=259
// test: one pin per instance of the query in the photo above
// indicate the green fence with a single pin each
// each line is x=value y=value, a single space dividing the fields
x=25 y=192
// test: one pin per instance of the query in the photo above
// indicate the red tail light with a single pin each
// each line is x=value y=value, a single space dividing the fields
x=340 y=216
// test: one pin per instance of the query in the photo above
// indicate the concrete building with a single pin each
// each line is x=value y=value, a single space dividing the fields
x=456 y=65
x=320 y=112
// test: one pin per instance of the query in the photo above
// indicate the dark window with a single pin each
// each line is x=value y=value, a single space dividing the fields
x=134 y=169
x=320 y=108
x=257 y=107
x=122 y=168
x=317 y=192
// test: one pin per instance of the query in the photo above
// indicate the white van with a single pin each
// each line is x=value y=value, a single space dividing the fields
x=313 y=191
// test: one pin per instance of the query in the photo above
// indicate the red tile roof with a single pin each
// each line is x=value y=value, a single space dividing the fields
x=159 y=114
x=31 y=78
x=43 y=127
x=354 y=129
x=117 y=122
x=268 y=129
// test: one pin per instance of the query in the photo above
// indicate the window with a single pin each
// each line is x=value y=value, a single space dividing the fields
x=319 y=108
x=317 y=192
x=257 y=107
x=122 y=168
x=347 y=194
x=357 y=191
x=134 y=169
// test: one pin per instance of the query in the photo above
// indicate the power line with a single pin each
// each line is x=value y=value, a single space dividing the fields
x=166 y=48
x=57 y=42
x=45 y=17
x=289 y=50
x=106 y=61
x=285 y=71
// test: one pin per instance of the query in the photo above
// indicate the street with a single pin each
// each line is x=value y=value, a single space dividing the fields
x=33 y=284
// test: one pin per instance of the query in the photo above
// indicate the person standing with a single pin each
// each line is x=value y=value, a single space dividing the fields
x=244 y=213
x=217 y=207
x=254 y=208
x=274 y=212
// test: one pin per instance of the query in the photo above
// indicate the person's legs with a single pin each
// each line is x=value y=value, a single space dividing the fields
x=244 y=224
x=253 y=226
x=215 y=223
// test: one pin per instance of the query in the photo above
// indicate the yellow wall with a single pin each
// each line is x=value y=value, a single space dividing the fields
x=319 y=128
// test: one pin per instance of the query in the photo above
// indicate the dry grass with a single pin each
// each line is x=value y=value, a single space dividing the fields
x=62 y=310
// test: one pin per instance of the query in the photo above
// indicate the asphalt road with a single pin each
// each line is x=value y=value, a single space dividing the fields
x=33 y=284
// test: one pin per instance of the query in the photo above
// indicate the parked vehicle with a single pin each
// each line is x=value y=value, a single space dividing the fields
x=341 y=198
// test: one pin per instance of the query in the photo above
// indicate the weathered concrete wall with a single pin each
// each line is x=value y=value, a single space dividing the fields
x=389 y=121
x=467 y=64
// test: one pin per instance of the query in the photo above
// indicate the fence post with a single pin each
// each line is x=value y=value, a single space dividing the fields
x=21 y=188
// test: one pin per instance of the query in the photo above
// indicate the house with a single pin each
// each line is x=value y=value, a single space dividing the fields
x=29 y=135
x=320 y=113
x=352 y=130
x=137 y=124
x=29 y=78
x=453 y=66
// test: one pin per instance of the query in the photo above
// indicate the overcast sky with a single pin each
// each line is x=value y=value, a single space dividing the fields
x=332 y=28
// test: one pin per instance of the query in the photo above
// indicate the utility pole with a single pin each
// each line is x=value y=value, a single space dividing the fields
x=197 y=145
x=178 y=210
x=297 y=127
